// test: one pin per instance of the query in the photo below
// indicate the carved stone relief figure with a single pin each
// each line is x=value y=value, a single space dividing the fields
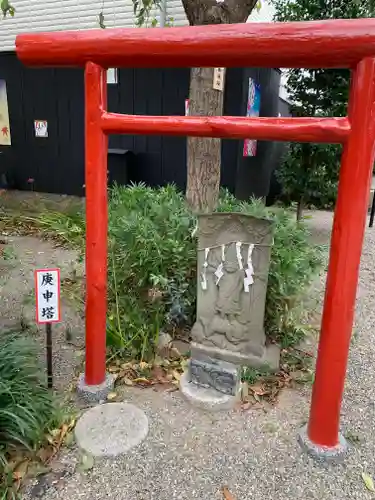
x=230 y=315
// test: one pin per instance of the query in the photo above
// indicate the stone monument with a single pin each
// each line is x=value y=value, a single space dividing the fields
x=234 y=253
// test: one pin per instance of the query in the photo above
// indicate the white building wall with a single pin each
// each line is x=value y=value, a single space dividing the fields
x=57 y=15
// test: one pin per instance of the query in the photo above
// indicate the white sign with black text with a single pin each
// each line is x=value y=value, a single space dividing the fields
x=47 y=289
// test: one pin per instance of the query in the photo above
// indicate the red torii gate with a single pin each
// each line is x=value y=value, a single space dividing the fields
x=327 y=44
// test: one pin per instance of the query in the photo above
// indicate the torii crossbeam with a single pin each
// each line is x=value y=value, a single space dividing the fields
x=327 y=44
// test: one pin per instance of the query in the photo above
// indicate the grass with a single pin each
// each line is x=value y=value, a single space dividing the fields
x=27 y=408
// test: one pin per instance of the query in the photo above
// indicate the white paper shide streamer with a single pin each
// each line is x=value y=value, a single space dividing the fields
x=239 y=256
x=204 y=272
x=219 y=273
x=249 y=280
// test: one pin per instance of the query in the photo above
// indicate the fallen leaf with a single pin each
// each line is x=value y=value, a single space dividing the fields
x=158 y=361
x=174 y=353
x=111 y=396
x=13 y=462
x=143 y=365
x=64 y=430
x=127 y=381
x=87 y=462
x=172 y=389
x=44 y=454
x=259 y=389
x=71 y=387
x=113 y=369
x=176 y=375
x=227 y=494
x=36 y=470
x=21 y=470
x=126 y=366
x=184 y=364
x=51 y=439
x=369 y=483
x=72 y=424
x=69 y=439
x=55 y=432
x=246 y=406
x=159 y=374
x=142 y=380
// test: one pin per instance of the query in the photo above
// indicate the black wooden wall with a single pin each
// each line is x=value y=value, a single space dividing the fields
x=56 y=163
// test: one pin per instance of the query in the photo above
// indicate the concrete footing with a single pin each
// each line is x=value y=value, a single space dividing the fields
x=323 y=453
x=269 y=359
x=111 y=429
x=206 y=398
x=95 y=393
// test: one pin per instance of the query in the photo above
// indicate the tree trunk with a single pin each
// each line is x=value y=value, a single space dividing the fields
x=300 y=207
x=305 y=172
x=203 y=155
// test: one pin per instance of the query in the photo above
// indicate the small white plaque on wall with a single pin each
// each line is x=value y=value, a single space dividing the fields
x=41 y=128
x=218 y=83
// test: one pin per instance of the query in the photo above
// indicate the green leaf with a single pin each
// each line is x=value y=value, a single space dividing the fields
x=7 y=8
x=369 y=483
x=4 y=6
x=87 y=462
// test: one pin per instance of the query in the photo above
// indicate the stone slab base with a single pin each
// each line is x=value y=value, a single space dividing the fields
x=212 y=373
x=270 y=359
x=111 y=429
x=323 y=453
x=95 y=393
x=206 y=398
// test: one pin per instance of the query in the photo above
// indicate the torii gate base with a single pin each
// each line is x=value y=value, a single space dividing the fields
x=328 y=44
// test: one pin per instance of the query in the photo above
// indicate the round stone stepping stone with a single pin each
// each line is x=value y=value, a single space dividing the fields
x=111 y=429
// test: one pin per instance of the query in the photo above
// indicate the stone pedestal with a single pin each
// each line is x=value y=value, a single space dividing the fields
x=233 y=263
x=209 y=372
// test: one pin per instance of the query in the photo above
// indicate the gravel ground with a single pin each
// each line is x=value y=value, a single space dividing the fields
x=190 y=454
x=17 y=303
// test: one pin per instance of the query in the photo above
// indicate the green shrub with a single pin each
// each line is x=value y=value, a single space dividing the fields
x=26 y=406
x=152 y=264
x=295 y=261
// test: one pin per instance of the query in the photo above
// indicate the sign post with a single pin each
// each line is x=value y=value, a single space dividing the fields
x=47 y=292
